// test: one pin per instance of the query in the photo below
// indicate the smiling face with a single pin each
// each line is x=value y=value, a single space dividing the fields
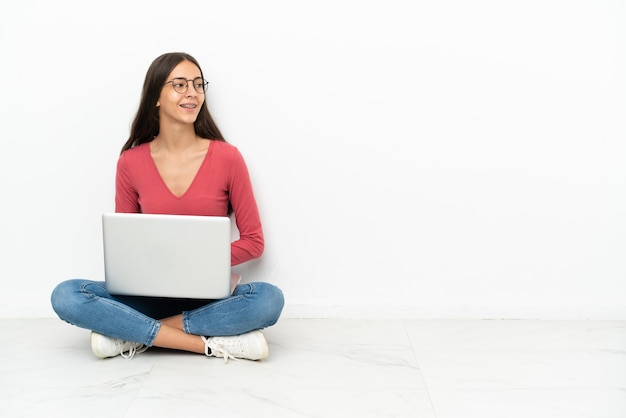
x=180 y=108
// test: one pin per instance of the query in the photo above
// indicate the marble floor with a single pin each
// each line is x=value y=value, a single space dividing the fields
x=330 y=368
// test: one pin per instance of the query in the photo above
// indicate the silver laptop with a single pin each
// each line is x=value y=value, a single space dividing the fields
x=167 y=255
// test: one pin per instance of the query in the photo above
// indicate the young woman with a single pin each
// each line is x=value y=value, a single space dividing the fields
x=177 y=162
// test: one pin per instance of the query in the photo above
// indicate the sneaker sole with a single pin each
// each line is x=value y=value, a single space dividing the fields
x=261 y=346
x=95 y=346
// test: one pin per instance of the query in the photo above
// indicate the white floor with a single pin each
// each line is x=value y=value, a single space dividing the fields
x=330 y=368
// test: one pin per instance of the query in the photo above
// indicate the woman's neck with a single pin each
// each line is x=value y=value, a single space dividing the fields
x=176 y=139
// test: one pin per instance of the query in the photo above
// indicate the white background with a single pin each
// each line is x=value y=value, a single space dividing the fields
x=424 y=158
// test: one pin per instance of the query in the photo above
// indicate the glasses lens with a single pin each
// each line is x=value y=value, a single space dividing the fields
x=200 y=84
x=180 y=85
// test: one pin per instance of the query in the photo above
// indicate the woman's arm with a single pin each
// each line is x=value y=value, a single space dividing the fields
x=126 y=198
x=250 y=244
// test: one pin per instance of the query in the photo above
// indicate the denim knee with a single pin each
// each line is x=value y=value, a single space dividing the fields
x=67 y=297
x=273 y=301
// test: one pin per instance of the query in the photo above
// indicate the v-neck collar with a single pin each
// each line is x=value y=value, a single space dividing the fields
x=195 y=177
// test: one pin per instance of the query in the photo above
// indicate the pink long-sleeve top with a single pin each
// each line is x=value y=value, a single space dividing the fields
x=223 y=176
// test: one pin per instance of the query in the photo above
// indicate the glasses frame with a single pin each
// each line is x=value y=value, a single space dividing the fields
x=205 y=83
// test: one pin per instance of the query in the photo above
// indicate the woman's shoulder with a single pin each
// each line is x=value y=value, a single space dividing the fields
x=135 y=152
x=224 y=149
x=223 y=146
x=133 y=157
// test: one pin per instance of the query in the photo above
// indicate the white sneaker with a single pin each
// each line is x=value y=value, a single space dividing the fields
x=250 y=346
x=104 y=347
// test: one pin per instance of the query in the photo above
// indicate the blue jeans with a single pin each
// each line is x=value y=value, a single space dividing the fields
x=87 y=304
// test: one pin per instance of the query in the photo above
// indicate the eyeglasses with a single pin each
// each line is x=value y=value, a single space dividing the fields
x=182 y=84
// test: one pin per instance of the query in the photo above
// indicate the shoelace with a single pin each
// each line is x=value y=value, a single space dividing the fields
x=217 y=349
x=129 y=349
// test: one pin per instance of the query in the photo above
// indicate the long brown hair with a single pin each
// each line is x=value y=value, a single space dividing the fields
x=146 y=123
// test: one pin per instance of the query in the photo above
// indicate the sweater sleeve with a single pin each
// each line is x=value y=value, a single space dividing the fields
x=251 y=243
x=126 y=197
